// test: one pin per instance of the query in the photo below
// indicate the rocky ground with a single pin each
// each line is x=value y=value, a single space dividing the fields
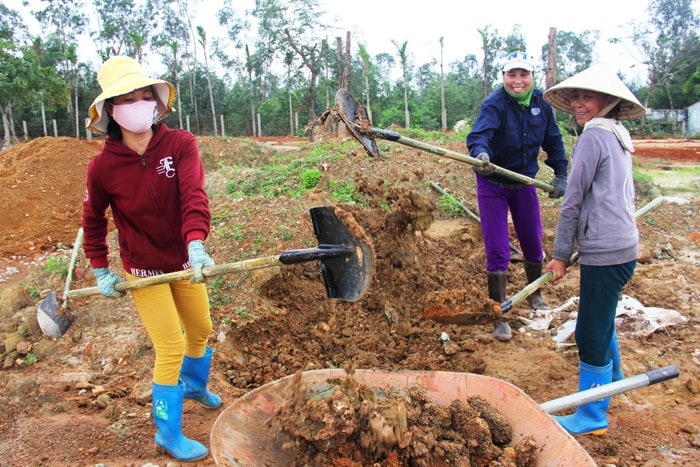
x=83 y=399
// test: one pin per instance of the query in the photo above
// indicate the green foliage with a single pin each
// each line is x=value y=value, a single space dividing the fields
x=310 y=178
x=31 y=359
x=34 y=291
x=45 y=78
x=449 y=206
x=218 y=287
x=344 y=191
x=57 y=265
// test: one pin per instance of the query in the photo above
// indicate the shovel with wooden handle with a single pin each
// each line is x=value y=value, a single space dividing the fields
x=53 y=319
x=471 y=317
x=355 y=116
x=345 y=253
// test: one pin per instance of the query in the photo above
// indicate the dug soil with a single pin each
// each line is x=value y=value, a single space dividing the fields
x=83 y=399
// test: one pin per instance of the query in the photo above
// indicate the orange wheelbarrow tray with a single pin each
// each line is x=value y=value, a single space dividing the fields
x=240 y=436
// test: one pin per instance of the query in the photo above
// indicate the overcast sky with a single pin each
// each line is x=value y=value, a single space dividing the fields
x=375 y=23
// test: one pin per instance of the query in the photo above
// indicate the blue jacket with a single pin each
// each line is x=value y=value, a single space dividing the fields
x=512 y=136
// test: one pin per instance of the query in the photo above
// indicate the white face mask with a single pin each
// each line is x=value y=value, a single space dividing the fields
x=136 y=117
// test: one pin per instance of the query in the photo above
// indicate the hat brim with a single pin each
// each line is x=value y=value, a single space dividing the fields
x=597 y=79
x=165 y=95
x=518 y=65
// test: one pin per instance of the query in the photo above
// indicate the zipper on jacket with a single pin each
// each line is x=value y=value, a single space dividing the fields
x=143 y=159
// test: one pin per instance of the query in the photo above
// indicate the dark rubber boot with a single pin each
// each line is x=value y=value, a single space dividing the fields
x=195 y=375
x=497 y=292
x=533 y=271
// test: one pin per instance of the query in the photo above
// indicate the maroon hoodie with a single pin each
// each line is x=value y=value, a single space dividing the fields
x=157 y=199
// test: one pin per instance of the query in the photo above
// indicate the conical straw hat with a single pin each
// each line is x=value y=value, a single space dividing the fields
x=597 y=78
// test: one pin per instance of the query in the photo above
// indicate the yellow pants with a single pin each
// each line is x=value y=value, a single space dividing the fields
x=177 y=319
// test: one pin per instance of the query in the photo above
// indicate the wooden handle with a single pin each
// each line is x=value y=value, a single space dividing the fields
x=208 y=271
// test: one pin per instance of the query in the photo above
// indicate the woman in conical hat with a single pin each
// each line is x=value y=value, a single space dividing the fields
x=597 y=218
x=152 y=179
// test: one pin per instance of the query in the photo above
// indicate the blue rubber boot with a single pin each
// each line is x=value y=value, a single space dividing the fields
x=195 y=375
x=591 y=418
x=167 y=414
x=616 y=364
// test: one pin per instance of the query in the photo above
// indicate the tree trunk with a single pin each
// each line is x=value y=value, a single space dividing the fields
x=252 y=103
x=443 y=110
x=551 y=74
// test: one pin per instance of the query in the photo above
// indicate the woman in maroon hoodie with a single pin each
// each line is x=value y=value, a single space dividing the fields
x=152 y=179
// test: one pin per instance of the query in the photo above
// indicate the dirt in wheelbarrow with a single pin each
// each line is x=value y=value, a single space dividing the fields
x=83 y=399
x=345 y=422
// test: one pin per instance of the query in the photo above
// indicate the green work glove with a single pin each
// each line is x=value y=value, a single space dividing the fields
x=106 y=281
x=487 y=169
x=198 y=259
x=559 y=184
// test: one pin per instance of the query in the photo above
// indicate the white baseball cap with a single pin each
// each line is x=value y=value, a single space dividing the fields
x=519 y=60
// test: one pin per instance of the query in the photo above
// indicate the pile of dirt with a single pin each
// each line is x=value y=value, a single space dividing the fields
x=42 y=184
x=79 y=400
x=345 y=422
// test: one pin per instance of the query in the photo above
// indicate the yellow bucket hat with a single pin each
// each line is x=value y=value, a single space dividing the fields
x=120 y=75
x=598 y=78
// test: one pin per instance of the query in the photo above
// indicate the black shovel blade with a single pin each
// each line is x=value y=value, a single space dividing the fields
x=346 y=276
x=54 y=320
x=355 y=117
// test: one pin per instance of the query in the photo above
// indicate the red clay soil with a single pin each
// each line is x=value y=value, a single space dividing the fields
x=78 y=400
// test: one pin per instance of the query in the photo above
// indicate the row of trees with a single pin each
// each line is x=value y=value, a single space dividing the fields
x=290 y=70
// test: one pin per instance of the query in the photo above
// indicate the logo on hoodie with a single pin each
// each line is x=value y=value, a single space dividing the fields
x=166 y=167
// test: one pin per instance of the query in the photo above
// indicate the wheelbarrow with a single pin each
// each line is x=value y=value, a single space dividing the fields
x=345 y=253
x=240 y=436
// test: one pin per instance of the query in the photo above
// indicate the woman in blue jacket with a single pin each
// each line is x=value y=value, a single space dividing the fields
x=513 y=124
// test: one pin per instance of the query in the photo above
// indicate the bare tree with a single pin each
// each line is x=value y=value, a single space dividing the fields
x=443 y=110
x=364 y=55
x=203 y=42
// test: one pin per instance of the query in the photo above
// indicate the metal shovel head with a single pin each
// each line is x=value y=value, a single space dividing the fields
x=53 y=319
x=355 y=117
x=346 y=277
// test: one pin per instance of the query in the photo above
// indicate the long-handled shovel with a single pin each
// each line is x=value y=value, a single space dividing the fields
x=355 y=116
x=516 y=254
x=345 y=253
x=480 y=317
x=53 y=321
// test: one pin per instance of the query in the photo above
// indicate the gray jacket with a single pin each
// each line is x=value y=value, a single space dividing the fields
x=598 y=210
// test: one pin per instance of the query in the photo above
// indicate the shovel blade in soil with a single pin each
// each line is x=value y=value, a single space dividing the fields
x=54 y=320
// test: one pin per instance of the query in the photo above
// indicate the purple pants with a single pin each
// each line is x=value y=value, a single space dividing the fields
x=494 y=203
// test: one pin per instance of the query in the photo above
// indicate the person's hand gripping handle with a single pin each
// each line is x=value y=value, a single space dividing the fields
x=198 y=259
